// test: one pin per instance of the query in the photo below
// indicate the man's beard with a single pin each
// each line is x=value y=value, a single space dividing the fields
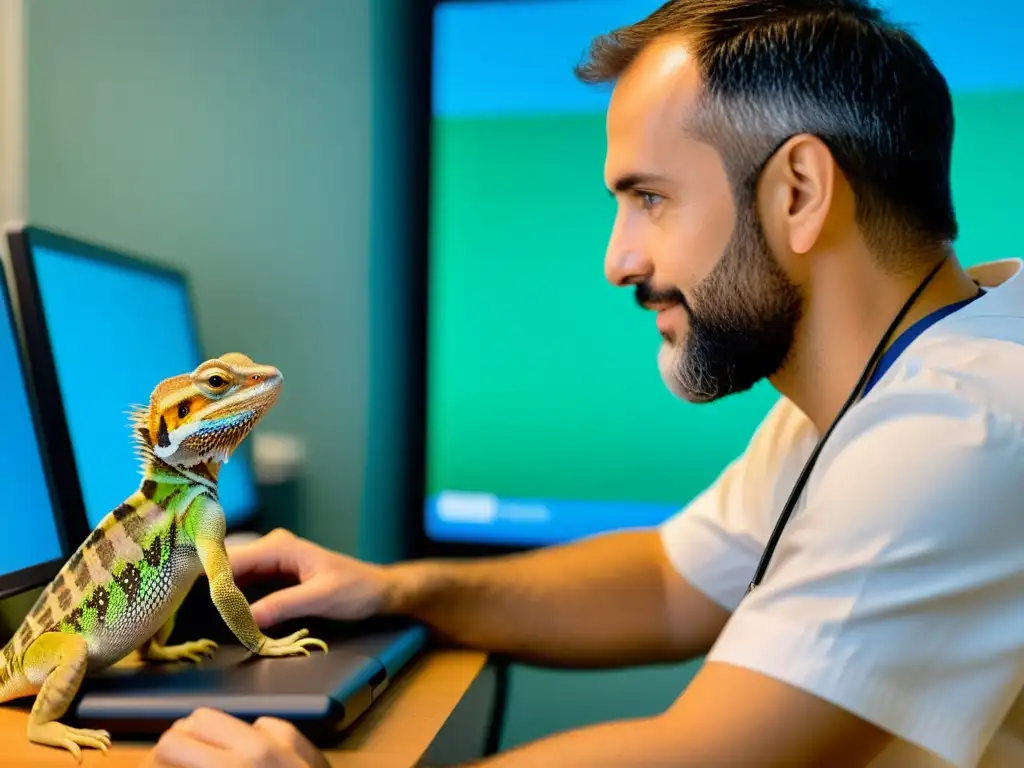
x=742 y=319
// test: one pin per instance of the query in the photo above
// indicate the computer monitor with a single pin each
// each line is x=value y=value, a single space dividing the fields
x=34 y=543
x=546 y=418
x=104 y=327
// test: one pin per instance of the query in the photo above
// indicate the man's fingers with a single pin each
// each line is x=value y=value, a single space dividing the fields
x=213 y=727
x=178 y=749
x=304 y=599
x=271 y=554
x=279 y=730
x=233 y=738
x=288 y=736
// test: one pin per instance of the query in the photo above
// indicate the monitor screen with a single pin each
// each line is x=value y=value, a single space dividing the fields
x=116 y=330
x=30 y=534
x=546 y=416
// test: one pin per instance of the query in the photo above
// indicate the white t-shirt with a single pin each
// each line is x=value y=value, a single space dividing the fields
x=897 y=588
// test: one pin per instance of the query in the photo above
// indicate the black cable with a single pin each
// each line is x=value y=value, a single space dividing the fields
x=499 y=711
x=794 y=495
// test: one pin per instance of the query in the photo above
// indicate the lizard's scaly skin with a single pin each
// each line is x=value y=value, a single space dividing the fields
x=119 y=591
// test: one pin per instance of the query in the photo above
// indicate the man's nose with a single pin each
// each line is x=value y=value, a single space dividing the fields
x=624 y=259
x=624 y=266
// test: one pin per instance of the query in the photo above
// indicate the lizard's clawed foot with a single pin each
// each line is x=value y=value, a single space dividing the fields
x=55 y=734
x=295 y=643
x=193 y=650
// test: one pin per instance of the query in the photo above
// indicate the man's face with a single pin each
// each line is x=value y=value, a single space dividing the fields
x=727 y=312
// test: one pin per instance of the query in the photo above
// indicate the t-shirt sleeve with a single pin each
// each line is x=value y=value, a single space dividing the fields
x=716 y=541
x=897 y=589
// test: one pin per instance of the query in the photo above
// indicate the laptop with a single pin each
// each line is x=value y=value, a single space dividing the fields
x=92 y=456
x=323 y=695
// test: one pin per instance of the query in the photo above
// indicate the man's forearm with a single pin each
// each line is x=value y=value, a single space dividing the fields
x=635 y=743
x=598 y=602
x=727 y=715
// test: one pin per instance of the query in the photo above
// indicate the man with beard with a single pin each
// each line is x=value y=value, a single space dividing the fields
x=856 y=577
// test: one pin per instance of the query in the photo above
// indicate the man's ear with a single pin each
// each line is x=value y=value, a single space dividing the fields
x=798 y=189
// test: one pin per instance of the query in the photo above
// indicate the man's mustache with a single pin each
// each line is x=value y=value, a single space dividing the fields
x=647 y=296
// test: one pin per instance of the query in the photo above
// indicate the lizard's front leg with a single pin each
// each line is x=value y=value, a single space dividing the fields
x=156 y=648
x=59 y=660
x=228 y=598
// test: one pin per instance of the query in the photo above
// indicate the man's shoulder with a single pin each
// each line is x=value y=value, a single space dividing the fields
x=966 y=365
x=943 y=437
x=972 y=389
x=971 y=354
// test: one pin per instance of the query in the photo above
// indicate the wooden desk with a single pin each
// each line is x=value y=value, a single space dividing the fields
x=395 y=733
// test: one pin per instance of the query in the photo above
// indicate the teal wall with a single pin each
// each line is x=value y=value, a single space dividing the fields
x=230 y=138
x=259 y=147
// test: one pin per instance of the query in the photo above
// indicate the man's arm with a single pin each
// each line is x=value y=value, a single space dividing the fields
x=606 y=601
x=727 y=716
x=622 y=598
x=889 y=613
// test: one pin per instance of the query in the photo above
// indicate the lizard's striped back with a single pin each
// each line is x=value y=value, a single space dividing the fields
x=117 y=583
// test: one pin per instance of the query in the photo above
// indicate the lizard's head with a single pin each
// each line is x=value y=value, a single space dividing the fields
x=201 y=417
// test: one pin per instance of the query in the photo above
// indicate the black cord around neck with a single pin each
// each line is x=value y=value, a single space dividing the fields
x=869 y=369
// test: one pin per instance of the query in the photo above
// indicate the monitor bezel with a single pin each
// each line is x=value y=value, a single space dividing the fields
x=43 y=366
x=35 y=576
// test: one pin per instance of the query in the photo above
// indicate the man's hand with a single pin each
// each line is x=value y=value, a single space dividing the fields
x=211 y=739
x=559 y=620
x=331 y=585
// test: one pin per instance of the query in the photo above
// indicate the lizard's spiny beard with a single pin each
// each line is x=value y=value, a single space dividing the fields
x=215 y=441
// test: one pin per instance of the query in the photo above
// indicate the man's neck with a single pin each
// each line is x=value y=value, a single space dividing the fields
x=849 y=309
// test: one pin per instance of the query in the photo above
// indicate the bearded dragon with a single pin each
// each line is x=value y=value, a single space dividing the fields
x=120 y=591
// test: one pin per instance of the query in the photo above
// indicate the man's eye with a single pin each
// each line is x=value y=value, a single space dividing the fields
x=649 y=199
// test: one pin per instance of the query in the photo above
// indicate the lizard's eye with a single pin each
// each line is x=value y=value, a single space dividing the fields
x=183 y=410
x=216 y=381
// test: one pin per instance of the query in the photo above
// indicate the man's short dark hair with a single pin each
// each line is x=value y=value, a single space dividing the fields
x=836 y=69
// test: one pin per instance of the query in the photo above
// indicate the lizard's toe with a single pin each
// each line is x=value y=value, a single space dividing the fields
x=54 y=734
x=193 y=650
x=295 y=644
